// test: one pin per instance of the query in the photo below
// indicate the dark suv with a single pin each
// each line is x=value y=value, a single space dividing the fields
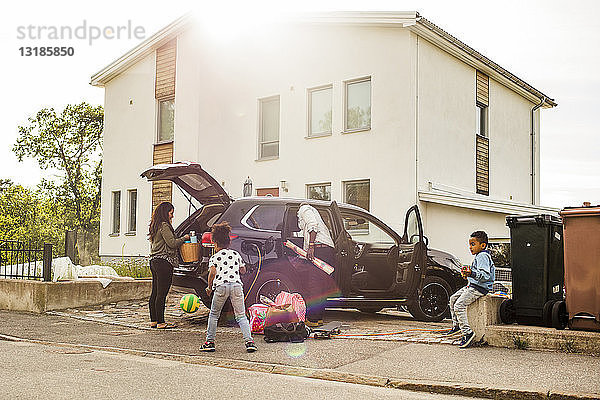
x=376 y=267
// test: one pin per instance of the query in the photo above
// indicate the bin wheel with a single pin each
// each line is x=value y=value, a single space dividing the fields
x=547 y=313
x=508 y=314
x=559 y=315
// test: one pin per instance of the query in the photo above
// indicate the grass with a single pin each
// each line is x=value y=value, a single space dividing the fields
x=520 y=343
x=133 y=267
x=568 y=346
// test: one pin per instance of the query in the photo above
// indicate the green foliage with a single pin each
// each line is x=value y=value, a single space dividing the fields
x=520 y=343
x=28 y=216
x=134 y=267
x=70 y=143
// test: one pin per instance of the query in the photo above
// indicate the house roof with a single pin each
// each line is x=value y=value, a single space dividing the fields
x=410 y=20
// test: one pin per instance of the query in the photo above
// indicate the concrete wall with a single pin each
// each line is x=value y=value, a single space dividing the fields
x=36 y=296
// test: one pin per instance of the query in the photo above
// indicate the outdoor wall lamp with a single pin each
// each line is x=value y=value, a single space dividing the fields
x=283 y=184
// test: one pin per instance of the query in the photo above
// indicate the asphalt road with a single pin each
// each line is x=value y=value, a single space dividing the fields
x=38 y=371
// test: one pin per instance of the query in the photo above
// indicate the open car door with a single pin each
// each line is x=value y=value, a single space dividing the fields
x=412 y=256
x=344 y=252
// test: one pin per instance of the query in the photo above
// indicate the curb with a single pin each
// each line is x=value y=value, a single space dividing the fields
x=329 y=375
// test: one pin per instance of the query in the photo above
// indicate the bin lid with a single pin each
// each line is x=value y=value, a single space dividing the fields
x=580 y=211
x=533 y=219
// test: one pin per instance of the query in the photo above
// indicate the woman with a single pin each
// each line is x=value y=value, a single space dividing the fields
x=163 y=257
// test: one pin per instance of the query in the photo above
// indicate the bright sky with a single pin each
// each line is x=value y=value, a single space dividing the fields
x=550 y=44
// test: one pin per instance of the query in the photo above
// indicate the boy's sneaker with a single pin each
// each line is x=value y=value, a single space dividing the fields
x=452 y=331
x=466 y=340
x=251 y=347
x=208 y=346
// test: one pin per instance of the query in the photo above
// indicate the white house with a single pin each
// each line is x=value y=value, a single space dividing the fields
x=380 y=109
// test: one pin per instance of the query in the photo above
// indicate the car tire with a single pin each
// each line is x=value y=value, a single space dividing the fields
x=270 y=283
x=432 y=305
x=370 y=309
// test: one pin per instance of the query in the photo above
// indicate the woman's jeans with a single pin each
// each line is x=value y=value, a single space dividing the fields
x=162 y=277
x=458 y=307
x=235 y=292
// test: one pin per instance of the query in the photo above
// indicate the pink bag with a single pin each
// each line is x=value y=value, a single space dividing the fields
x=297 y=302
x=258 y=313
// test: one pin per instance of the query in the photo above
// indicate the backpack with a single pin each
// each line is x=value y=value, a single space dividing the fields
x=294 y=332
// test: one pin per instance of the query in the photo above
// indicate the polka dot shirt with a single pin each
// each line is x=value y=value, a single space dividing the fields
x=227 y=262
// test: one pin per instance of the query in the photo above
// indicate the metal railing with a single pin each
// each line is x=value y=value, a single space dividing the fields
x=19 y=260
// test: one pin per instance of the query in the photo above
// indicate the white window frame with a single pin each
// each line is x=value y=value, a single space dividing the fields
x=129 y=210
x=158 y=124
x=309 y=185
x=261 y=101
x=348 y=83
x=480 y=108
x=115 y=231
x=309 y=94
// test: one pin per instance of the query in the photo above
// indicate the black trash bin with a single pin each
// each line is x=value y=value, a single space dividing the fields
x=537 y=265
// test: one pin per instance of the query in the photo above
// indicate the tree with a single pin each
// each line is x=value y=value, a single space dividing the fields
x=70 y=143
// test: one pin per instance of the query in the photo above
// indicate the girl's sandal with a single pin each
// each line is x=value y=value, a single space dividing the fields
x=153 y=324
x=167 y=325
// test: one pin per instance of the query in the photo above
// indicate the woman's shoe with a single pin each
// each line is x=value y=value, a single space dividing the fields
x=166 y=325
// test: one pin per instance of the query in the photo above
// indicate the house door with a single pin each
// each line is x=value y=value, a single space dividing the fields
x=271 y=192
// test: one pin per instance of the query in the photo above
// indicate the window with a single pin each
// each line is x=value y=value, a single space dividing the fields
x=364 y=230
x=116 y=212
x=357 y=193
x=132 y=210
x=319 y=111
x=357 y=100
x=265 y=218
x=481 y=120
x=268 y=136
x=319 y=192
x=166 y=120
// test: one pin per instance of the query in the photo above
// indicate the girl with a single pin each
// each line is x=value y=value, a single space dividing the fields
x=224 y=278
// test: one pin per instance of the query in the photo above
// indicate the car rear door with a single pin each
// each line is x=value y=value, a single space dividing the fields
x=344 y=251
x=412 y=256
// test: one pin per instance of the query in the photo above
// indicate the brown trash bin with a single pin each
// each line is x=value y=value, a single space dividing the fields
x=581 y=229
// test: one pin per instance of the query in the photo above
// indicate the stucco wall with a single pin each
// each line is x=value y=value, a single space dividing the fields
x=446 y=129
x=129 y=132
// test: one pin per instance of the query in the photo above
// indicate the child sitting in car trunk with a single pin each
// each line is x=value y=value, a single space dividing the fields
x=224 y=279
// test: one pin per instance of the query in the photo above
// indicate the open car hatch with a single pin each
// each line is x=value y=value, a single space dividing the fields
x=192 y=179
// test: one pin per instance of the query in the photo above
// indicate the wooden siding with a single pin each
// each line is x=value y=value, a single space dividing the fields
x=268 y=191
x=162 y=190
x=165 y=71
x=482 y=165
x=483 y=89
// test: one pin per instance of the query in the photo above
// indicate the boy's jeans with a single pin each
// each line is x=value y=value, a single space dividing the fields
x=458 y=307
x=236 y=294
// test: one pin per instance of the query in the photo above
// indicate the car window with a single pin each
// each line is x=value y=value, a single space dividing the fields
x=292 y=221
x=365 y=230
x=265 y=218
x=412 y=227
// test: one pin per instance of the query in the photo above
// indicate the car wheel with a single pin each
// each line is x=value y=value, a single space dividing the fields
x=370 y=309
x=432 y=305
x=559 y=315
x=270 y=284
x=508 y=313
